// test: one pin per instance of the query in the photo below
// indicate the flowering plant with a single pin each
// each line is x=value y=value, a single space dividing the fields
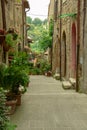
x=22 y=89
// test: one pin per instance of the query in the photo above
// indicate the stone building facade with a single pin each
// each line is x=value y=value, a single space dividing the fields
x=13 y=16
x=69 y=41
x=83 y=80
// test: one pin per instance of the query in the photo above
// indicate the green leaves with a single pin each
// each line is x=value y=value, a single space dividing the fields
x=41 y=34
x=4 y=120
x=45 y=41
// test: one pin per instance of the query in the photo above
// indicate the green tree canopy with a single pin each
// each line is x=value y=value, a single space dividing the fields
x=41 y=35
x=29 y=20
x=37 y=21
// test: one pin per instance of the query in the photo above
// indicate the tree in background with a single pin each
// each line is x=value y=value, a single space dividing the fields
x=37 y=22
x=41 y=34
x=29 y=20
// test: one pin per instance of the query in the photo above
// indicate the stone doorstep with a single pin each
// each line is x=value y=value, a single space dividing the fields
x=73 y=82
x=66 y=85
x=57 y=76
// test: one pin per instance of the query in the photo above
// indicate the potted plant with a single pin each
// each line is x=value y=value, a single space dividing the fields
x=18 y=80
x=8 y=42
x=4 y=83
x=10 y=39
x=13 y=32
x=4 y=119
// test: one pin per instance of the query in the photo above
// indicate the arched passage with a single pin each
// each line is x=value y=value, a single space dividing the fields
x=63 y=54
x=73 y=50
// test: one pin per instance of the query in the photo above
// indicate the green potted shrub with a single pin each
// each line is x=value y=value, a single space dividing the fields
x=14 y=80
x=4 y=119
x=5 y=83
x=17 y=79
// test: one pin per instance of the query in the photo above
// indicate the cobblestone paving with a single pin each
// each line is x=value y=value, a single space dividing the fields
x=47 y=106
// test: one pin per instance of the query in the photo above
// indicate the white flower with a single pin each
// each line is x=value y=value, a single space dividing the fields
x=21 y=88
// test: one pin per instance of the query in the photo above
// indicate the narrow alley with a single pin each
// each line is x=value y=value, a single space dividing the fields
x=47 y=106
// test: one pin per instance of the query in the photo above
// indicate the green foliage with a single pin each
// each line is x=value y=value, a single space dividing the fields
x=10 y=126
x=16 y=77
x=4 y=119
x=45 y=41
x=41 y=35
x=44 y=65
x=10 y=39
x=3 y=75
x=37 y=22
x=12 y=77
x=31 y=28
x=21 y=60
x=42 y=39
x=45 y=22
x=41 y=67
x=35 y=71
x=3 y=110
x=29 y=20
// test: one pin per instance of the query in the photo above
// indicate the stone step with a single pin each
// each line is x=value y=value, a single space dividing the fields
x=57 y=76
x=66 y=85
x=73 y=82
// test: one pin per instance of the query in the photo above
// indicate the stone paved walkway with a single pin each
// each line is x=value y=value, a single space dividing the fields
x=46 y=106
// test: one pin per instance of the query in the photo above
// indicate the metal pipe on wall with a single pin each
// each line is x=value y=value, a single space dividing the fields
x=3 y=14
x=60 y=38
x=78 y=46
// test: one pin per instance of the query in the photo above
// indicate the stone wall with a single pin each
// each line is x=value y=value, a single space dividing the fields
x=83 y=61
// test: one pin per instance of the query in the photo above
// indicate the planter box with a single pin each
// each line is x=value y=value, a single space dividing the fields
x=49 y=73
x=12 y=106
x=18 y=98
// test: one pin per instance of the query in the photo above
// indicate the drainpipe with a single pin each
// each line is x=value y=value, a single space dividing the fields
x=25 y=18
x=3 y=14
x=84 y=15
x=23 y=11
x=78 y=47
x=60 y=37
x=52 y=48
x=23 y=22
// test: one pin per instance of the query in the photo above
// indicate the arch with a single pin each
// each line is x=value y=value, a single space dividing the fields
x=63 y=52
x=73 y=50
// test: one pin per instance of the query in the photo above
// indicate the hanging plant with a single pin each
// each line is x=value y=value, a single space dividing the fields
x=15 y=36
x=9 y=41
x=13 y=32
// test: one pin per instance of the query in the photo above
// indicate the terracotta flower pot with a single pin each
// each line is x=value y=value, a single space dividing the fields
x=18 y=98
x=12 y=105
